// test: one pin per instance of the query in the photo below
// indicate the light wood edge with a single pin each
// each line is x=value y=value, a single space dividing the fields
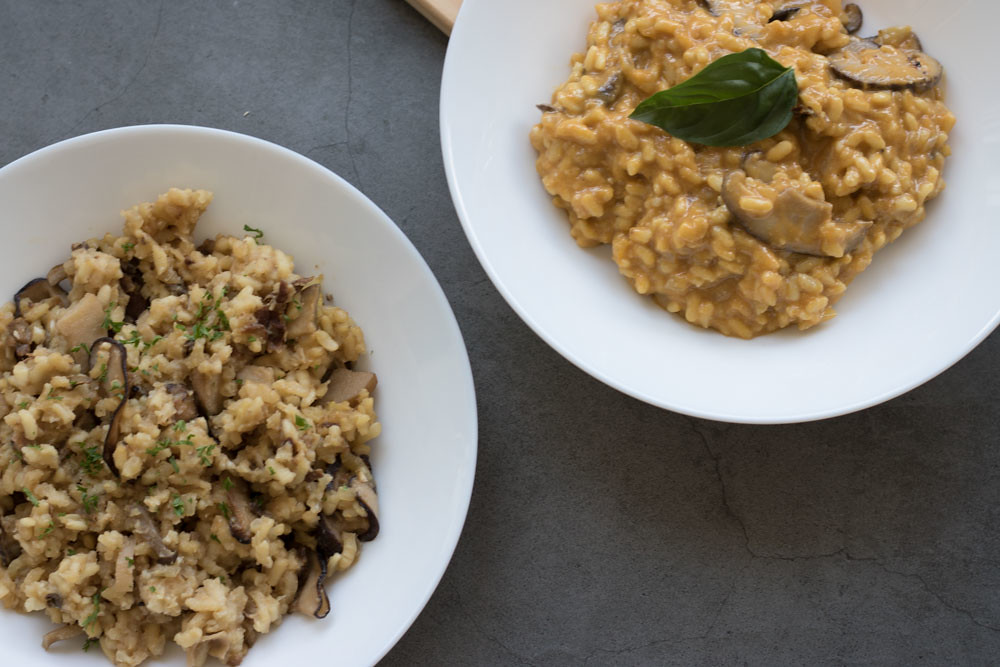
x=442 y=18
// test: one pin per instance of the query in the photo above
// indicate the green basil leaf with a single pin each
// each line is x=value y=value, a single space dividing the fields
x=736 y=100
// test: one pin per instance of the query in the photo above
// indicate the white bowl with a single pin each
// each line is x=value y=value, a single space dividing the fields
x=925 y=302
x=424 y=461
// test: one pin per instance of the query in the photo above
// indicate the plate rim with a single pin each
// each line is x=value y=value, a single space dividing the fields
x=465 y=481
x=448 y=144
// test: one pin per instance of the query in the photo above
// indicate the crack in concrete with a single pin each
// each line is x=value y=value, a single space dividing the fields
x=350 y=96
x=489 y=637
x=132 y=79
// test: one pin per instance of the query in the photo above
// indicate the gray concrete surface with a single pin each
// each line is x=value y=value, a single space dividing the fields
x=602 y=530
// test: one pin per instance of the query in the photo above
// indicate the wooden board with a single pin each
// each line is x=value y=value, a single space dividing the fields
x=441 y=13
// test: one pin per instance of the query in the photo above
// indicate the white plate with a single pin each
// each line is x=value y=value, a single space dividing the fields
x=925 y=302
x=424 y=460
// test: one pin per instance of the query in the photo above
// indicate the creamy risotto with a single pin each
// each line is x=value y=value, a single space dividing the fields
x=183 y=436
x=745 y=239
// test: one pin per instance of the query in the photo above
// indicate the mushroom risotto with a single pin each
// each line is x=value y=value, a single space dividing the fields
x=745 y=239
x=183 y=439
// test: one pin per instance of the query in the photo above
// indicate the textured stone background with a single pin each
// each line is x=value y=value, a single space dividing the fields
x=602 y=530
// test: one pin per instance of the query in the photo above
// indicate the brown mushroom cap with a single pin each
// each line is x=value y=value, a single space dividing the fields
x=796 y=223
x=346 y=384
x=35 y=290
x=143 y=526
x=852 y=18
x=870 y=65
x=305 y=308
x=117 y=372
x=312 y=599
x=83 y=322
x=240 y=513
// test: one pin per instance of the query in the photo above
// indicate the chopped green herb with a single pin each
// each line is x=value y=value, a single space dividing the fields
x=149 y=344
x=134 y=340
x=73 y=384
x=49 y=528
x=90 y=641
x=109 y=323
x=92 y=461
x=81 y=347
x=178 y=504
x=239 y=382
x=215 y=537
x=152 y=589
x=173 y=464
x=130 y=561
x=89 y=500
x=224 y=508
x=127 y=246
x=30 y=496
x=115 y=384
x=94 y=614
x=301 y=423
x=34 y=446
x=271 y=470
x=256 y=232
x=23 y=405
x=180 y=425
x=297 y=302
x=71 y=552
x=205 y=454
x=251 y=339
x=227 y=483
x=104 y=373
x=52 y=395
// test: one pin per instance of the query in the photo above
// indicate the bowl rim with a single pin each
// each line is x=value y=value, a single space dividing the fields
x=449 y=79
x=465 y=477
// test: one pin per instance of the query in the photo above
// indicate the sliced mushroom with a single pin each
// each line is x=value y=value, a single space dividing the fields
x=208 y=391
x=901 y=37
x=83 y=322
x=54 y=600
x=851 y=18
x=115 y=381
x=365 y=492
x=143 y=526
x=240 y=513
x=312 y=599
x=10 y=548
x=131 y=284
x=784 y=14
x=329 y=537
x=216 y=645
x=259 y=374
x=346 y=384
x=796 y=223
x=21 y=335
x=56 y=276
x=184 y=405
x=60 y=634
x=307 y=307
x=868 y=65
x=611 y=89
x=36 y=290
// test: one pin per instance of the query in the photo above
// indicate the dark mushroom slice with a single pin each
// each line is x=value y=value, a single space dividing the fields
x=345 y=385
x=143 y=526
x=867 y=65
x=365 y=492
x=902 y=37
x=36 y=290
x=240 y=512
x=57 y=276
x=184 y=404
x=208 y=392
x=307 y=308
x=10 y=548
x=784 y=14
x=116 y=380
x=54 y=600
x=21 y=335
x=329 y=537
x=83 y=322
x=611 y=89
x=131 y=284
x=60 y=634
x=795 y=223
x=312 y=599
x=851 y=18
x=546 y=108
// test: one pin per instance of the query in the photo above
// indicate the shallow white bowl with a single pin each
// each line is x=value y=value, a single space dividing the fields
x=424 y=461
x=925 y=302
